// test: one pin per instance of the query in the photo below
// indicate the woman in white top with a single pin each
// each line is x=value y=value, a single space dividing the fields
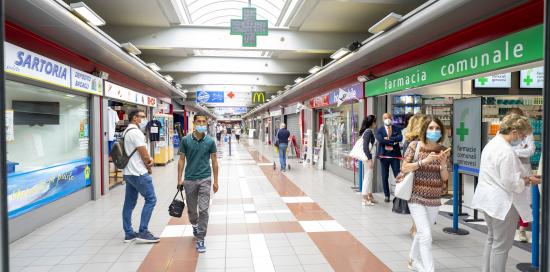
x=502 y=192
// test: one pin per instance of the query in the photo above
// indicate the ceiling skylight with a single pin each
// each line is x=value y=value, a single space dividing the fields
x=220 y=12
x=233 y=53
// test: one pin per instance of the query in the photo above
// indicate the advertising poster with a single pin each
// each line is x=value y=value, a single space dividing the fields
x=467 y=135
x=85 y=82
x=33 y=189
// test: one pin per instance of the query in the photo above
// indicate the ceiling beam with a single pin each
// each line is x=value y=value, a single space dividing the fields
x=234 y=79
x=233 y=65
x=218 y=38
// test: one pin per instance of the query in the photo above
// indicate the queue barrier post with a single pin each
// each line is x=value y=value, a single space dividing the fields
x=360 y=176
x=535 y=231
x=456 y=185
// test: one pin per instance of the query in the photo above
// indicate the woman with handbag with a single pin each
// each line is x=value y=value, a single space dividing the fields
x=368 y=165
x=426 y=166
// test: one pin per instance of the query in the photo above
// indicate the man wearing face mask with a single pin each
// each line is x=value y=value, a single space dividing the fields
x=138 y=179
x=197 y=149
x=388 y=136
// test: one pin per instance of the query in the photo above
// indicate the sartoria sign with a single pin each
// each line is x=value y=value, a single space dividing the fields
x=517 y=48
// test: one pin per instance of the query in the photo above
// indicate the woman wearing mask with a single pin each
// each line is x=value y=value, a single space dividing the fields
x=369 y=124
x=503 y=190
x=430 y=172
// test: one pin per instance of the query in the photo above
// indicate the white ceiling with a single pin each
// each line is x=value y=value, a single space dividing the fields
x=310 y=32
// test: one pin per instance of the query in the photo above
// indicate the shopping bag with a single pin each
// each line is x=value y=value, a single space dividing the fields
x=357 y=151
x=177 y=206
x=403 y=189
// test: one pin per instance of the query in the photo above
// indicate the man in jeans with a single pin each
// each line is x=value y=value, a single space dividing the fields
x=198 y=149
x=138 y=180
x=282 y=135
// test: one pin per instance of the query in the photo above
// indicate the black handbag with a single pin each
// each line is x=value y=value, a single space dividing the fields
x=400 y=206
x=177 y=206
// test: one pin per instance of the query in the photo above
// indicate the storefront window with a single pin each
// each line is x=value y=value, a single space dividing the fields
x=47 y=145
x=342 y=129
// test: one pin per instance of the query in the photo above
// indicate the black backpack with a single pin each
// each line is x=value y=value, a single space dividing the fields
x=118 y=152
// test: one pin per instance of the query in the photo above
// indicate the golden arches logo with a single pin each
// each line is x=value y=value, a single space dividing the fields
x=258 y=97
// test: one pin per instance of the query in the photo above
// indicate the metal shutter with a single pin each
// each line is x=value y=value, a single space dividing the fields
x=293 y=125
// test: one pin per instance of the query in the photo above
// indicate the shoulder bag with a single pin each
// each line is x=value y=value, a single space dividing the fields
x=403 y=189
x=357 y=150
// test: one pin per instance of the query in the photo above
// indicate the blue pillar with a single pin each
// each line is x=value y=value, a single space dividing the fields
x=535 y=227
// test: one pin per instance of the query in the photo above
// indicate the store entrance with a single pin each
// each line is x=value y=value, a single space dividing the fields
x=117 y=124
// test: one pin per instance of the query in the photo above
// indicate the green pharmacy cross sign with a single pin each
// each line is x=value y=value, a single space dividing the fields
x=462 y=131
x=528 y=80
x=249 y=27
x=483 y=80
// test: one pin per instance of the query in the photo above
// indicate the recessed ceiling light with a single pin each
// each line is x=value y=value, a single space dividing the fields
x=154 y=67
x=386 y=23
x=298 y=80
x=340 y=53
x=130 y=48
x=315 y=69
x=169 y=78
x=87 y=14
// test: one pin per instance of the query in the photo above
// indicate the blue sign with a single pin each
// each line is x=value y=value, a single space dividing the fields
x=33 y=189
x=240 y=110
x=210 y=97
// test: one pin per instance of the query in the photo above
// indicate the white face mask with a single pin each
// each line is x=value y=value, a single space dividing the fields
x=143 y=124
x=387 y=122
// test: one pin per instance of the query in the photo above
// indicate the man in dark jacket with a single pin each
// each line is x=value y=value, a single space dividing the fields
x=389 y=136
x=282 y=135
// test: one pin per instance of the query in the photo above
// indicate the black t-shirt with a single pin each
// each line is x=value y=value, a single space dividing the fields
x=228 y=130
x=153 y=127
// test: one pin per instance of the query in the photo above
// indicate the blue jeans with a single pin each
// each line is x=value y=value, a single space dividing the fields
x=282 y=155
x=144 y=186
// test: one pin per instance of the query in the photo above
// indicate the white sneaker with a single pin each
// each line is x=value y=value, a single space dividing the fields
x=411 y=266
x=367 y=203
x=523 y=236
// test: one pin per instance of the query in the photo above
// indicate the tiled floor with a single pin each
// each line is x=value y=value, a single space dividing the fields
x=261 y=220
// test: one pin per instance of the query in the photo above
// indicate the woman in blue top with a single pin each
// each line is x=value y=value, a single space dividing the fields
x=368 y=166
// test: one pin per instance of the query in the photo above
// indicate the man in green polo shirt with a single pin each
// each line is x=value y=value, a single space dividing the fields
x=198 y=149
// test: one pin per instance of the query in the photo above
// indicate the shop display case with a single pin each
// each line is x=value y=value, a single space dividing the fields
x=404 y=105
x=164 y=149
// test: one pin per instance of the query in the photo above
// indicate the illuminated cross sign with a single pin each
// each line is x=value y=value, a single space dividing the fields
x=249 y=27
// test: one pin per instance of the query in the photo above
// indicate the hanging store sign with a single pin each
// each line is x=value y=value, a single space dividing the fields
x=532 y=78
x=249 y=27
x=24 y=63
x=496 y=81
x=514 y=49
x=258 y=97
x=210 y=96
x=467 y=135
x=125 y=94
x=226 y=98
x=230 y=110
x=85 y=82
x=347 y=93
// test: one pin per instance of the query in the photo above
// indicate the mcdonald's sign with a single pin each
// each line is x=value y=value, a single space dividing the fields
x=258 y=97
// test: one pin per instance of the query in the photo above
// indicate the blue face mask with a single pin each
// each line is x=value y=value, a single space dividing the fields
x=201 y=129
x=433 y=136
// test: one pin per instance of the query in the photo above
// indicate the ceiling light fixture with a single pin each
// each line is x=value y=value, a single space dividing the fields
x=386 y=23
x=315 y=69
x=298 y=80
x=287 y=87
x=340 y=53
x=362 y=78
x=169 y=78
x=130 y=48
x=87 y=14
x=153 y=66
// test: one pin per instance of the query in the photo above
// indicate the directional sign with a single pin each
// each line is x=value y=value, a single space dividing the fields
x=467 y=135
x=210 y=97
x=249 y=27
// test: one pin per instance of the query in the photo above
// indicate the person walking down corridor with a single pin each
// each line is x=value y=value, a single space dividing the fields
x=431 y=171
x=196 y=151
x=503 y=191
x=388 y=136
x=368 y=166
x=282 y=137
x=138 y=179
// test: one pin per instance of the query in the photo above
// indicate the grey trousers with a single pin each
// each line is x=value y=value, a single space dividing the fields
x=500 y=241
x=197 y=194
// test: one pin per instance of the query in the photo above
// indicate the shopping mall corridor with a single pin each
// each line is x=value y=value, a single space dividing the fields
x=261 y=220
